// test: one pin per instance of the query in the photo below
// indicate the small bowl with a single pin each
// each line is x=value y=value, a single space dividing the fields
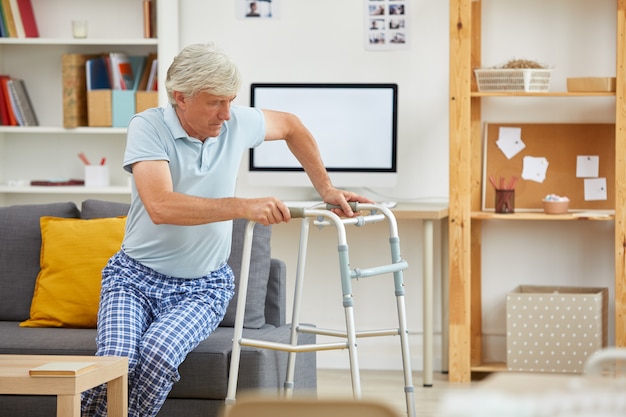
x=555 y=207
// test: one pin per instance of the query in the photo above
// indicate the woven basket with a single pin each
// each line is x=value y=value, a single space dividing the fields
x=503 y=80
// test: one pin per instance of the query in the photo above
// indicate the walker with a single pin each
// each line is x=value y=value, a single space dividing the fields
x=321 y=216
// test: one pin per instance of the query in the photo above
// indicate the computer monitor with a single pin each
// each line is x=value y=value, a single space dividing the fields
x=355 y=126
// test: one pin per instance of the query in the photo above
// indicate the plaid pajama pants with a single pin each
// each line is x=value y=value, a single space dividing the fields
x=155 y=320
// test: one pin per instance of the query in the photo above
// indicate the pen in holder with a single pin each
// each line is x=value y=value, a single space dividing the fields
x=505 y=195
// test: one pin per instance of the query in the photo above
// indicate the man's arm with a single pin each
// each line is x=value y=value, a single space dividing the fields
x=281 y=125
x=165 y=206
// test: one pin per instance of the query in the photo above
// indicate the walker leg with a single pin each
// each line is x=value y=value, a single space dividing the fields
x=346 y=289
x=241 y=306
x=295 y=316
x=354 y=359
x=398 y=279
x=409 y=389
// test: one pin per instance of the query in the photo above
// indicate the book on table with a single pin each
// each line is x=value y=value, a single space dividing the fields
x=62 y=368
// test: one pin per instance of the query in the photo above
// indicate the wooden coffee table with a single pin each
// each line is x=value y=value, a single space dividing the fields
x=14 y=379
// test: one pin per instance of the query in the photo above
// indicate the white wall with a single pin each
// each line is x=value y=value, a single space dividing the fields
x=322 y=40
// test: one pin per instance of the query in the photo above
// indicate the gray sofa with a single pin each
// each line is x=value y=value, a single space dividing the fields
x=204 y=374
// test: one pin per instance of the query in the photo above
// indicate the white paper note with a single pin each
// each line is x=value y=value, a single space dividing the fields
x=510 y=141
x=595 y=189
x=587 y=166
x=535 y=168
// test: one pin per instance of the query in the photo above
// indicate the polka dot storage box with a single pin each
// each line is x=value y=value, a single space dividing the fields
x=554 y=329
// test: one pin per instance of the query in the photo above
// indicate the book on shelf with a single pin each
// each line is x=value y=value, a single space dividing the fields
x=121 y=71
x=4 y=108
x=3 y=29
x=6 y=97
x=63 y=369
x=145 y=75
x=149 y=18
x=22 y=105
x=9 y=20
x=97 y=73
x=74 y=79
x=147 y=5
x=17 y=18
x=13 y=102
x=29 y=23
x=153 y=79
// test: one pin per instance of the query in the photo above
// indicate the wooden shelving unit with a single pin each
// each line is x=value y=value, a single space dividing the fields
x=465 y=338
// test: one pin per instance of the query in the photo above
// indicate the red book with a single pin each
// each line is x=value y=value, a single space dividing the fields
x=7 y=100
x=28 y=18
x=4 y=110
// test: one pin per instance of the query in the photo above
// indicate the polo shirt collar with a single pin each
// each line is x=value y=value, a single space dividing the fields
x=173 y=124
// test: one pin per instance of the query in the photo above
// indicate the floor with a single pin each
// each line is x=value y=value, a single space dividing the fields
x=387 y=386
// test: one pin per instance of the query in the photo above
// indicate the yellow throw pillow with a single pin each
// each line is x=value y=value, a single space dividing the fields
x=73 y=253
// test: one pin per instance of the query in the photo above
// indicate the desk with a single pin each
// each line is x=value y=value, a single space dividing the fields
x=428 y=213
x=14 y=379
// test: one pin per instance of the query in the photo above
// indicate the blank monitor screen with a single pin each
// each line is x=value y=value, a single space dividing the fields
x=354 y=125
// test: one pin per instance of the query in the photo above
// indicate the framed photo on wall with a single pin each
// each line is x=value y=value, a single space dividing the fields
x=386 y=24
x=257 y=9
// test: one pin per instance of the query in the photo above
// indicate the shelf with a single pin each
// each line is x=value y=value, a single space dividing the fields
x=57 y=129
x=538 y=94
x=490 y=367
x=72 y=41
x=116 y=189
x=530 y=215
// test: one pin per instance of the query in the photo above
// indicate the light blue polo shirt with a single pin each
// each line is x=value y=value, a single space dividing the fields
x=204 y=169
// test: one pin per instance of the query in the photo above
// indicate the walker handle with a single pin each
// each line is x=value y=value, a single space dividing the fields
x=298 y=212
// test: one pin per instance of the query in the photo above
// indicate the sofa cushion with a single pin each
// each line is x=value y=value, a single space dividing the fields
x=18 y=340
x=73 y=253
x=96 y=209
x=254 y=317
x=20 y=243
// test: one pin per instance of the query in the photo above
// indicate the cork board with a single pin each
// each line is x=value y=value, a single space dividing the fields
x=560 y=144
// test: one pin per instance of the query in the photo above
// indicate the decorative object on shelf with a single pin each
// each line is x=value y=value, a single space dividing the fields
x=515 y=75
x=591 y=84
x=56 y=182
x=505 y=194
x=79 y=29
x=554 y=204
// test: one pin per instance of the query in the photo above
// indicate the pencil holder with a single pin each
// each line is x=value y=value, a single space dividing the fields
x=96 y=175
x=505 y=201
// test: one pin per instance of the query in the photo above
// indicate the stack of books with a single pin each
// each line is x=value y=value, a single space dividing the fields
x=18 y=19
x=92 y=82
x=16 y=108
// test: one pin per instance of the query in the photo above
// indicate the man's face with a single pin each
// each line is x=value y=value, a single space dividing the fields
x=204 y=114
